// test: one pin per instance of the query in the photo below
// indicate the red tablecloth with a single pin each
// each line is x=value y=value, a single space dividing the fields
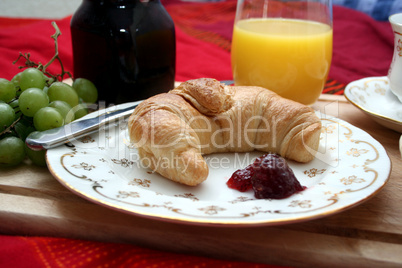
x=362 y=47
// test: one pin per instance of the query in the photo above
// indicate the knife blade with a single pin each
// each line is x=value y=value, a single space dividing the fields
x=55 y=137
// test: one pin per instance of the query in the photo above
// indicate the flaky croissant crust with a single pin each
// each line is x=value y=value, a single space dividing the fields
x=203 y=116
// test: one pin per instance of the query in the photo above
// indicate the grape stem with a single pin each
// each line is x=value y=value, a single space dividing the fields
x=8 y=129
x=40 y=66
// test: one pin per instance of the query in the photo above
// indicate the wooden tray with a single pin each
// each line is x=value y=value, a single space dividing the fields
x=32 y=202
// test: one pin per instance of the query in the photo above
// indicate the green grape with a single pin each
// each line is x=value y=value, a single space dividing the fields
x=7 y=116
x=31 y=100
x=37 y=157
x=85 y=90
x=24 y=127
x=80 y=110
x=63 y=108
x=7 y=90
x=64 y=92
x=45 y=89
x=15 y=105
x=47 y=118
x=32 y=77
x=12 y=151
x=16 y=79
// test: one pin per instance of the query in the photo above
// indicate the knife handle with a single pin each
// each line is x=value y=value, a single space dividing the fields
x=40 y=140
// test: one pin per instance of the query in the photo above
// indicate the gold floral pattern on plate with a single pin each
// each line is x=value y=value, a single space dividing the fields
x=373 y=96
x=349 y=168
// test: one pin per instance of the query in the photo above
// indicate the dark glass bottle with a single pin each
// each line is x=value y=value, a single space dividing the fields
x=126 y=47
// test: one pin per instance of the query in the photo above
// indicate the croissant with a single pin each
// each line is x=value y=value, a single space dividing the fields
x=173 y=130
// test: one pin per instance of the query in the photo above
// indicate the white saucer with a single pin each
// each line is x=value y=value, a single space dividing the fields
x=373 y=96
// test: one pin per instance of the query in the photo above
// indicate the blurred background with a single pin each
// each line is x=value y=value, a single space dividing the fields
x=53 y=9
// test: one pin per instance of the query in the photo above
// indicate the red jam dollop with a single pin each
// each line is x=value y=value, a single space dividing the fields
x=269 y=176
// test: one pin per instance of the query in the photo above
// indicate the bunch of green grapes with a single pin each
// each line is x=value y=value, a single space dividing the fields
x=33 y=101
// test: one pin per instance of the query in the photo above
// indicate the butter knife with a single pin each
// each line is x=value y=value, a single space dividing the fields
x=55 y=137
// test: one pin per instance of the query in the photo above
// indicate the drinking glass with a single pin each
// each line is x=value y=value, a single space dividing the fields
x=284 y=46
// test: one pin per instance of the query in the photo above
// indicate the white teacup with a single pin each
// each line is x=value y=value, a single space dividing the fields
x=395 y=70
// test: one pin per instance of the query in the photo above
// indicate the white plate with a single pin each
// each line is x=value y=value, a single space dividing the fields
x=350 y=168
x=373 y=96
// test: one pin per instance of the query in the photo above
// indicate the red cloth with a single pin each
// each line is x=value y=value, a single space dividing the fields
x=363 y=47
x=38 y=252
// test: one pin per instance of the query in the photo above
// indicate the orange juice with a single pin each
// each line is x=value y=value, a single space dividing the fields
x=288 y=56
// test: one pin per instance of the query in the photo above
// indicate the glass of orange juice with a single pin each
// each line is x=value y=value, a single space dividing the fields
x=284 y=46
